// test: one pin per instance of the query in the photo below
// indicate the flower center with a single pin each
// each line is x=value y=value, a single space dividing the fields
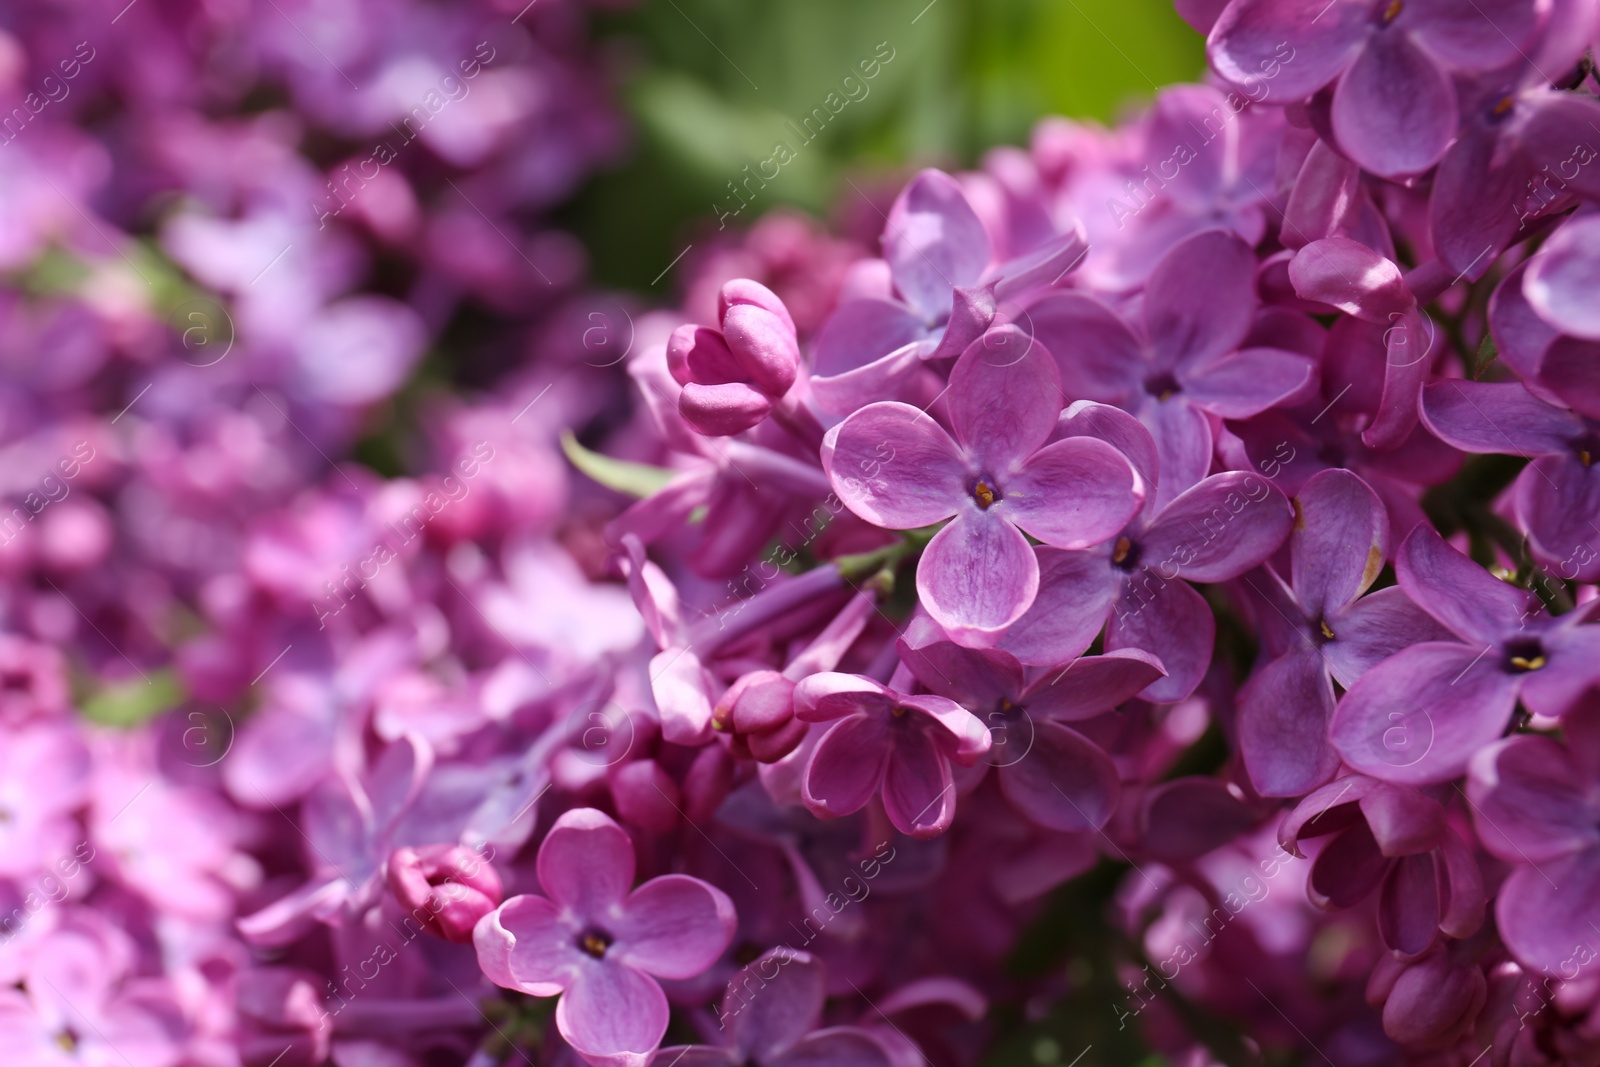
x=1162 y=385
x=1524 y=655
x=1392 y=11
x=1503 y=105
x=1327 y=631
x=899 y=712
x=984 y=494
x=595 y=943
x=1125 y=554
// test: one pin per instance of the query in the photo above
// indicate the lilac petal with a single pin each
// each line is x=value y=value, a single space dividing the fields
x=838 y=1046
x=774 y=1002
x=1347 y=871
x=1531 y=801
x=1418 y=717
x=586 y=862
x=1471 y=602
x=975 y=677
x=846 y=767
x=1475 y=37
x=1394 y=110
x=1248 y=382
x=1190 y=816
x=1570 y=371
x=1558 y=501
x=861 y=332
x=1543 y=911
x=1408 y=354
x=1045 y=266
x=951 y=995
x=1496 y=418
x=1090 y=685
x=1571 y=677
x=526 y=945
x=1076 y=590
x=673 y=926
x=613 y=1016
x=934 y=242
x=1219 y=529
x=831 y=695
x=1098 y=356
x=1322 y=38
x=1375 y=628
x=679 y=685
x=1339 y=542
x=1170 y=620
x=1005 y=396
x=1200 y=299
x=1183 y=439
x=1408 y=908
x=1074 y=493
x=1555 y=128
x=765 y=344
x=1117 y=428
x=1283 y=725
x=1475 y=197
x=1328 y=810
x=1065 y=782
x=971 y=311
x=1461 y=889
x=919 y=794
x=957 y=731
x=1519 y=332
x=723 y=410
x=895 y=467
x=1323 y=201
x=1351 y=277
x=977 y=576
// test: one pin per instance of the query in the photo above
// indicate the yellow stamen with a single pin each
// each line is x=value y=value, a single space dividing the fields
x=1392 y=12
x=984 y=495
x=1124 y=546
x=595 y=945
x=1522 y=663
x=1585 y=458
x=1503 y=106
x=1299 y=515
x=898 y=712
x=1326 y=630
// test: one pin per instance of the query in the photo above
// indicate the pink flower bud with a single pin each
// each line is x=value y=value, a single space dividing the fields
x=1434 y=1002
x=732 y=377
x=645 y=795
x=445 y=888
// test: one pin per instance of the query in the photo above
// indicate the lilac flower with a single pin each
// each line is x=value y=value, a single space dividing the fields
x=997 y=477
x=1419 y=716
x=733 y=376
x=1182 y=360
x=889 y=743
x=769 y=1018
x=599 y=945
x=1534 y=806
x=1138 y=584
x=44 y=779
x=1397 y=841
x=943 y=295
x=1320 y=630
x=1557 y=495
x=1394 y=107
x=1050 y=772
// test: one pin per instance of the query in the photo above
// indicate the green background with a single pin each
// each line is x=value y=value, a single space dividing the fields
x=710 y=84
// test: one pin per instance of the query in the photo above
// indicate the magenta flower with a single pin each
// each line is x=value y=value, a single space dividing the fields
x=769 y=1018
x=887 y=742
x=998 y=476
x=1536 y=805
x=599 y=945
x=940 y=294
x=1137 y=586
x=1419 y=716
x=1396 y=841
x=1183 y=359
x=1394 y=108
x=733 y=376
x=1319 y=629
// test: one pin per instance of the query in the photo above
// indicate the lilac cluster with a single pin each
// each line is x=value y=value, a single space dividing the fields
x=1201 y=508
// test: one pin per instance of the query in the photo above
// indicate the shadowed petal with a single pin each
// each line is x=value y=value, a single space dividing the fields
x=1543 y=911
x=1065 y=782
x=1321 y=37
x=1076 y=590
x=1090 y=685
x=1200 y=299
x=613 y=1015
x=1497 y=418
x=1219 y=529
x=1531 y=801
x=774 y=1003
x=1471 y=602
x=1182 y=433
x=839 y=1046
x=1408 y=909
x=1170 y=620
x=919 y=793
x=846 y=767
x=1558 y=500
x=1099 y=357
x=1339 y=542
x=1375 y=628
x=1394 y=110
x=1571 y=675
x=1283 y=725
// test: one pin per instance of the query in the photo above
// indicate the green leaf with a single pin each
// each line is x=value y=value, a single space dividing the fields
x=635 y=479
x=128 y=704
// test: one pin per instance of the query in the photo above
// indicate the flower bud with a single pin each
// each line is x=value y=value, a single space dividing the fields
x=758 y=710
x=445 y=888
x=1434 y=1002
x=732 y=377
x=645 y=795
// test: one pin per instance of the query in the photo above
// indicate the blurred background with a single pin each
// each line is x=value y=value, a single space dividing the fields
x=713 y=86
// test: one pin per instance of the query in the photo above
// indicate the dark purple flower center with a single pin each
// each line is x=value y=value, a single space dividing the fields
x=595 y=942
x=985 y=492
x=1524 y=654
x=1162 y=385
x=1126 y=553
x=1586 y=448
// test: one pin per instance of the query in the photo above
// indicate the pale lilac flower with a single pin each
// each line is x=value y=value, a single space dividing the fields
x=599 y=943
